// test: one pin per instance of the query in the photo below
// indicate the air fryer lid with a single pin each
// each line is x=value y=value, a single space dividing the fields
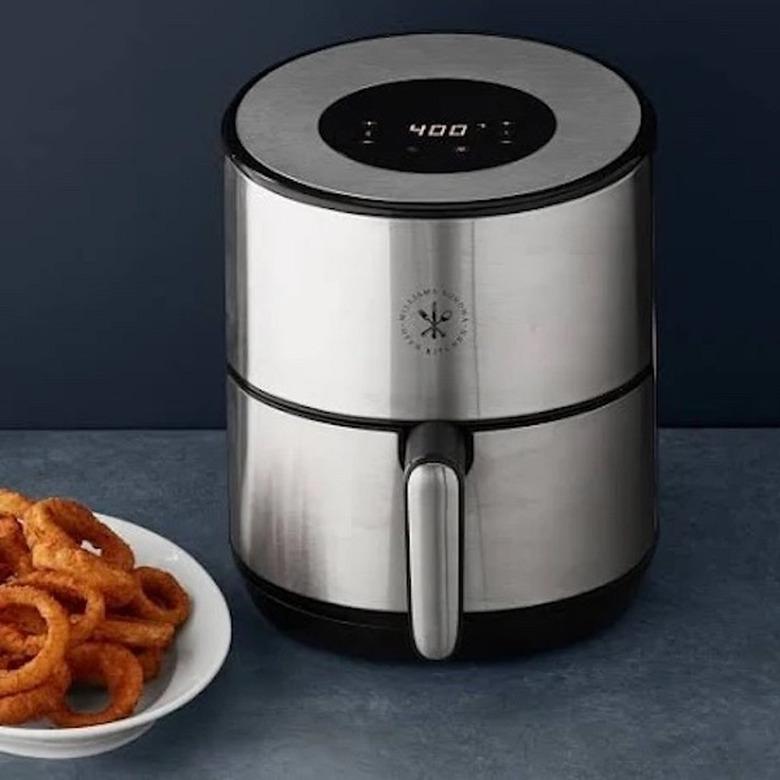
x=439 y=119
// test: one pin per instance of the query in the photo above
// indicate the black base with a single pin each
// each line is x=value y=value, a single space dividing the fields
x=385 y=635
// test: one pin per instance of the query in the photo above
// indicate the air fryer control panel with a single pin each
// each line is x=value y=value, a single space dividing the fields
x=437 y=125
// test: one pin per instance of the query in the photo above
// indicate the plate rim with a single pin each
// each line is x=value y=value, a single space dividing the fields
x=148 y=716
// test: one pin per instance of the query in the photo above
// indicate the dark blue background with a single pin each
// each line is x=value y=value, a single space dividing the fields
x=110 y=193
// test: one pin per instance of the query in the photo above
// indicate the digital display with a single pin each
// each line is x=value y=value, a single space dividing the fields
x=437 y=125
x=438 y=130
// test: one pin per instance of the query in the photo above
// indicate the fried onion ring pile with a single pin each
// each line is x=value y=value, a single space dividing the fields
x=75 y=610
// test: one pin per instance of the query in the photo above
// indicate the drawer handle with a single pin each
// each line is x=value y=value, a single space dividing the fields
x=434 y=471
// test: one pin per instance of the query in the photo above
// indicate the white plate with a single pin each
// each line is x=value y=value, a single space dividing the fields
x=196 y=656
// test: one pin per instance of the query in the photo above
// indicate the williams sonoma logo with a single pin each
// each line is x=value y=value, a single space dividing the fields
x=434 y=320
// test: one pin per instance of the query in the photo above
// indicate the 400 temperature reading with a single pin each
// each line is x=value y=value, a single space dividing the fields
x=438 y=130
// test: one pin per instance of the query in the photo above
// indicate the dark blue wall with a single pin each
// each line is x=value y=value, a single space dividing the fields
x=110 y=192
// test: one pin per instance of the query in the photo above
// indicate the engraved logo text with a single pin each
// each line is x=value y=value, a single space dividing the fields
x=434 y=320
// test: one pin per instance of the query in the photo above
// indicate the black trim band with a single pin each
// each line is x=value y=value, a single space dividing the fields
x=487 y=424
x=384 y=635
x=642 y=146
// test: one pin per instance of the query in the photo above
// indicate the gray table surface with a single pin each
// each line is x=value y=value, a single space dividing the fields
x=685 y=685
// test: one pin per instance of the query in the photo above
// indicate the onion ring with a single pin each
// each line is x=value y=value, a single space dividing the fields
x=72 y=524
x=14 y=503
x=15 y=555
x=53 y=548
x=151 y=662
x=60 y=584
x=52 y=651
x=117 y=586
x=37 y=702
x=134 y=632
x=160 y=597
x=113 y=666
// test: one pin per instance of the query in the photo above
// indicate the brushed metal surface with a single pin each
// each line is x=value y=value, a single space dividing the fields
x=546 y=308
x=433 y=539
x=551 y=510
x=598 y=114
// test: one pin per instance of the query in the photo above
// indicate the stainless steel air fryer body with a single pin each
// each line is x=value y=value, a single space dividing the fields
x=440 y=342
